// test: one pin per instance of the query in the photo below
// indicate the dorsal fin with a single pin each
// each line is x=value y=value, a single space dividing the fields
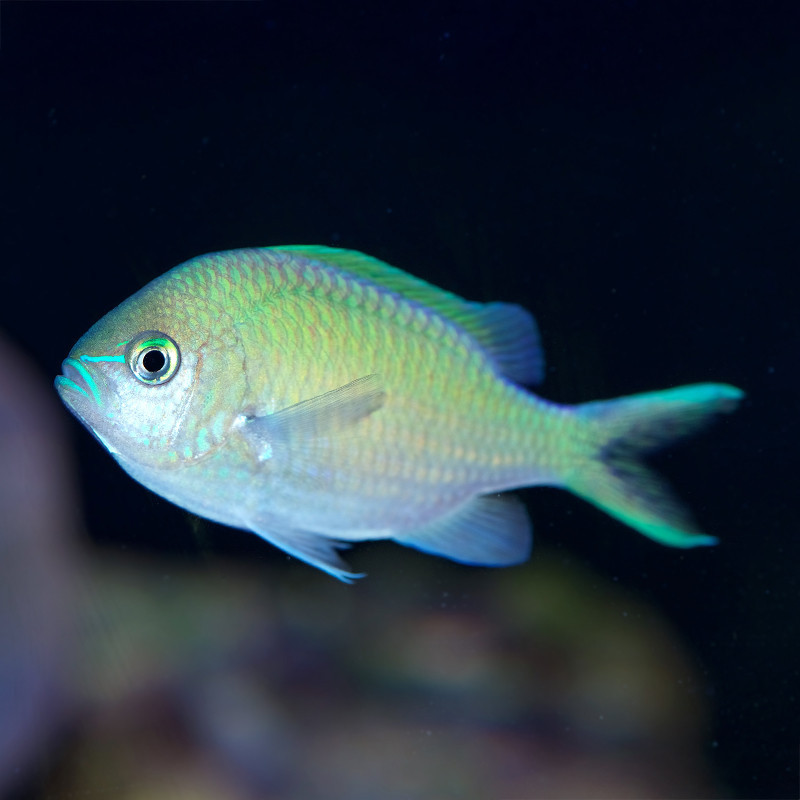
x=506 y=332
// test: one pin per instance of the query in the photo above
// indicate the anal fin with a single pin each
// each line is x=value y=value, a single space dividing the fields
x=490 y=530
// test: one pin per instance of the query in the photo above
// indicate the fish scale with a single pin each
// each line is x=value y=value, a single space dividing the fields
x=319 y=396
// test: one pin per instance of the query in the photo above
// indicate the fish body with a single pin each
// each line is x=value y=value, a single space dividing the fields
x=318 y=396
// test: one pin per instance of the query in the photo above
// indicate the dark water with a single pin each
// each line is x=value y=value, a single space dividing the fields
x=629 y=172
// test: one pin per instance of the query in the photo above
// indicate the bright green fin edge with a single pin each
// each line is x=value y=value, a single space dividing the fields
x=614 y=433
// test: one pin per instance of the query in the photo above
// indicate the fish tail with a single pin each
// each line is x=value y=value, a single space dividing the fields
x=613 y=434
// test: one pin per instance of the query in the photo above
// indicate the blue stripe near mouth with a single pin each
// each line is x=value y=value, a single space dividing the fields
x=75 y=364
x=68 y=383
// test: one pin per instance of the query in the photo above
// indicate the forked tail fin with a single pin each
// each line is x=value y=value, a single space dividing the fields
x=614 y=433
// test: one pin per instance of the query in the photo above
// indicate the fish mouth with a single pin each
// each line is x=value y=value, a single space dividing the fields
x=76 y=378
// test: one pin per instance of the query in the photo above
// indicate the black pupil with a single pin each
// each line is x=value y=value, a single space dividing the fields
x=154 y=361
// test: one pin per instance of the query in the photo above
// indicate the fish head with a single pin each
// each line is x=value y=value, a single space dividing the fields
x=151 y=381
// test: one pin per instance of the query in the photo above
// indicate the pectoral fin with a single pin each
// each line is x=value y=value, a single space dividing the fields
x=319 y=417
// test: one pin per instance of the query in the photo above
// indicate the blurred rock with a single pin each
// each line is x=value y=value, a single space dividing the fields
x=220 y=681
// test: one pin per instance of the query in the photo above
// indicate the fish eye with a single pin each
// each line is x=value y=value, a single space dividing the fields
x=153 y=357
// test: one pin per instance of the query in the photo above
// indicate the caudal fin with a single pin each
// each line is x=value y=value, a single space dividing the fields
x=614 y=433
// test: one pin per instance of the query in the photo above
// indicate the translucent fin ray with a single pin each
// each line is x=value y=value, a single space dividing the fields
x=491 y=531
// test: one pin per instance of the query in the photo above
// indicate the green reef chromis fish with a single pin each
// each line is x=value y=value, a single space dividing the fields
x=320 y=397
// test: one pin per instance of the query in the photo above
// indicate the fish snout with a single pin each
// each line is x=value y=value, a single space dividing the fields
x=76 y=378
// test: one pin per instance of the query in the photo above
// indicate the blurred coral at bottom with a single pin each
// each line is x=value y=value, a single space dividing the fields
x=142 y=678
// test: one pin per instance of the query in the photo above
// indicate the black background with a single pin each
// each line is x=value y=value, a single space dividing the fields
x=627 y=170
